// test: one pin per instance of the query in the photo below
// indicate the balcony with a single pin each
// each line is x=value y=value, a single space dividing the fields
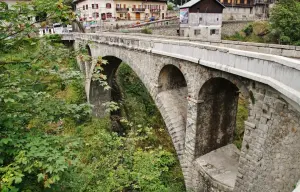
x=138 y=9
x=249 y=4
x=264 y=1
x=122 y=10
x=155 y=10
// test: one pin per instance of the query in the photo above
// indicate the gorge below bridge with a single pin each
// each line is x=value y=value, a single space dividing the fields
x=196 y=88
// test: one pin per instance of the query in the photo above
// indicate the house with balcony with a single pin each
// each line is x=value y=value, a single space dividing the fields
x=246 y=9
x=94 y=10
x=140 y=9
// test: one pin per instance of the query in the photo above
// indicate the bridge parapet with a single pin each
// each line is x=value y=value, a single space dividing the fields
x=279 y=72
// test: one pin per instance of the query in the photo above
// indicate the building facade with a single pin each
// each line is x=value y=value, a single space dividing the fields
x=88 y=10
x=91 y=10
x=201 y=19
x=246 y=9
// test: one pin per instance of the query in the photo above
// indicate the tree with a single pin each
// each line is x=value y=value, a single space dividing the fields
x=170 y=6
x=285 y=21
x=32 y=72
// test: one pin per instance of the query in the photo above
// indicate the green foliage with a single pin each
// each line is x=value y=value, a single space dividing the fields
x=109 y=162
x=248 y=30
x=139 y=108
x=33 y=71
x=242 y=115
x=48 y=140
x=285 y=21
x=170 y=6
x=146 y=30
x=254 y=32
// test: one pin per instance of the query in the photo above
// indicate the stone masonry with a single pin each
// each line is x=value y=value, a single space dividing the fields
x=269 y=159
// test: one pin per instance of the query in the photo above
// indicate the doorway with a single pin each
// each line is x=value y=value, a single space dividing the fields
x=137 y=16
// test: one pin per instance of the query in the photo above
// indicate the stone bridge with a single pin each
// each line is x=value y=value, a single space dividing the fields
x=196 y=88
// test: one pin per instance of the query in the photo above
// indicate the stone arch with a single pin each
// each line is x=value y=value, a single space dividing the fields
x=215 y=127
x=172 y=97
x=170 y=77
x=139 y=62
x=216 y=115
x=97 y=94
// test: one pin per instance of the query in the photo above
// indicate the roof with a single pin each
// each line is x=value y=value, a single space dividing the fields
x=193 y=2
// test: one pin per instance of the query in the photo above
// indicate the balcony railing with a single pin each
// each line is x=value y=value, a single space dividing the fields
x=155 y=10
x=264 y=1
x=249 y=4
x=138 y=9
x=123 y=10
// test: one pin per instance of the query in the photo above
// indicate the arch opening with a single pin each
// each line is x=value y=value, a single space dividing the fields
x=98 y=96
x=171 y=77
x=172 y=94
x=216 y=131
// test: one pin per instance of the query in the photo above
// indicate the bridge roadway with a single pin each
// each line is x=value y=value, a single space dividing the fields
x=196 y=87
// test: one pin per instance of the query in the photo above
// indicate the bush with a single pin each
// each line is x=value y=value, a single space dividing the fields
x=248 y=30
x=146 y=30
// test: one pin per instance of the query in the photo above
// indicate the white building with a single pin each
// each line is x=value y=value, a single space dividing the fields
x=201 y=19
x=94 y=10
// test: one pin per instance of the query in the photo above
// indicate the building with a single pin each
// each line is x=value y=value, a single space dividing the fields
x=246 y=9
x=140 y=10
x=201 y=19
x=89 y=10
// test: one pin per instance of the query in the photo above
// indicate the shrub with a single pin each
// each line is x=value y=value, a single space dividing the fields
x=146 y=30
x=248 y=30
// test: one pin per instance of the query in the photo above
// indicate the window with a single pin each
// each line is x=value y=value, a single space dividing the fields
x=217 y=19
x=118 y=5
x=198 y=10
x=103 y=16
x=212 y=31
x=108 y=5
x=124 y=5
x=94 y=6
x=86 y=7
x=197 y=32
x=83 y=7
x=95 y=15
x=108 y=15
x=134 y=6
x=121 y=15
x=163 y=7
x=200 y=19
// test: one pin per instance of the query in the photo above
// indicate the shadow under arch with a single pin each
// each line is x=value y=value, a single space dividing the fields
x=216 y=125
x=97 y=94
x=170 y=77
x=216 y=119
x=172 y=96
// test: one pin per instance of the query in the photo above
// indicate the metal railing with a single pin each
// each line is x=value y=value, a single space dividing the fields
x=121 y=9
x=138 y=9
